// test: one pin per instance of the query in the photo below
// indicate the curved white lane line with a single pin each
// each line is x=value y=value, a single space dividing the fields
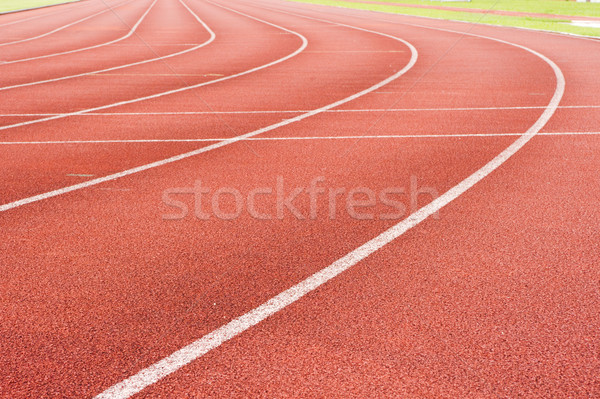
x=63 y=26
x=93 y=182
x=198 y=348
x=184 y=356
x=131 y=31
x=210 y=40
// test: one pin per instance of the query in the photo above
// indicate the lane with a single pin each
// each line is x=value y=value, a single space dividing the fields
x=127 y=298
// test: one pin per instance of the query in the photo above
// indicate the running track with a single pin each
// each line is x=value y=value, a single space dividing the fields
x=491 y=290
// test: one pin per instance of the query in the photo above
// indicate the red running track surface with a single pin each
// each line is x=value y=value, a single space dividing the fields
x=497 y=296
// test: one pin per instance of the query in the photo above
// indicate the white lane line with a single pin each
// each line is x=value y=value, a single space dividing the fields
x=300 y=111
x=39 y=57
x=172 y=363
x=299 y=138
x=176 y=158
x=182 y=89
x=163 y=44
x=198 y=348
x=210 y=40
x=113 y=189
x=62 y=27
x=203 y=75
x=353 y=51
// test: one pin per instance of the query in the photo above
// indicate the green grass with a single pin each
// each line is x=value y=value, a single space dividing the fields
x=12 y=5
x=560 y=7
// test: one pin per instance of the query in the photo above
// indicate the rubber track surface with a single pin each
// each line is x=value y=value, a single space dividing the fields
x=498 y=297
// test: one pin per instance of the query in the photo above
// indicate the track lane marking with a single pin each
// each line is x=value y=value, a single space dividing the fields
x=203 y=75
x=182 y=89
x=214 y=339
x=63 y=26
x=131 y=31
x=300 y=138
x=355 y=51
x=101 y=71
x=299 y=111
